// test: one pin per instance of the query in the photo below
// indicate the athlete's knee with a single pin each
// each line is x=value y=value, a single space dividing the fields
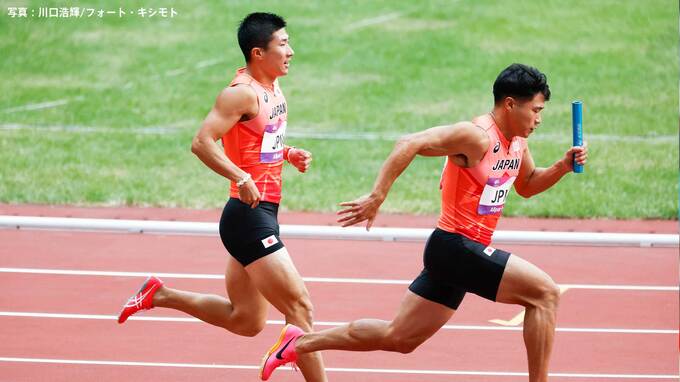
x=404 y=344
x=248 y=327
x=549 y=295
x=250 y=330
x=247 y=323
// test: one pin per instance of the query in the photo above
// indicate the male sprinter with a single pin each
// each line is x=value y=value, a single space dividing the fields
x=250 y=117
x=485 y=158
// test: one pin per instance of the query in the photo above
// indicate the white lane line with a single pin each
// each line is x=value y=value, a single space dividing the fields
x=372 y=21
x=331 y=323
x=153 y=129
x=175 y=72
x=42 y=105
x=124 y=363
x=361 y=136
x=201 y=276
x=622 y=287
x=206 y=63
x=358 y=136
x=336 y=369
x=318 y=232
x=178 y=71
x=183 y=70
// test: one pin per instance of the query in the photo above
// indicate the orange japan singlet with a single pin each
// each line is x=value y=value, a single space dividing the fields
x=473 y=198
x=256 y=145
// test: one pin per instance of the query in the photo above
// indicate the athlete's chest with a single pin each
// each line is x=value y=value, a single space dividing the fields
x=501 y=159
x=497 y=173
x=271 y=126
x=273 y=106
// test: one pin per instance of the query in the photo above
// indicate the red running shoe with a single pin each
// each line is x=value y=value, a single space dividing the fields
x=142 y=300
x=282 y=352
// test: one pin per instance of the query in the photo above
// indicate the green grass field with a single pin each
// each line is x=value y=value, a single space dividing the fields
x=132 y=91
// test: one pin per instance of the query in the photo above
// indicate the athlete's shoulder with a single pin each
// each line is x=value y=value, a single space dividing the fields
x=471 y=133
x=472 y=140
x=484 y=121
x=238 y=97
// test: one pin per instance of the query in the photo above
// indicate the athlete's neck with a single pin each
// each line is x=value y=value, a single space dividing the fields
x=260 y=76
x=500 y=119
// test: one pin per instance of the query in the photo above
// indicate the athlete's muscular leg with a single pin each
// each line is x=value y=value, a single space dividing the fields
x=278 y=280
x=524 y=284
x=244 y=313
x=416 y=321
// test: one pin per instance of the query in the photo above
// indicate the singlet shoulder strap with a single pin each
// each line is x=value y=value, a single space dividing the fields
x=485 y=122
x=241 y=80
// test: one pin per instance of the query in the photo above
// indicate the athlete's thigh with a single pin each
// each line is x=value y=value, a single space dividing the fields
x=277 y=279
x=523 y=282
x=243 y=294
x=419 y=318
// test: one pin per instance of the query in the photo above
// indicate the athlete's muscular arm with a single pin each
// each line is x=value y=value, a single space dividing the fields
x=463 y=142
x=233 y=104
x=533 y=180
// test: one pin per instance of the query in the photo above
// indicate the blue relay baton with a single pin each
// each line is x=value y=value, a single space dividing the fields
x=577 y=130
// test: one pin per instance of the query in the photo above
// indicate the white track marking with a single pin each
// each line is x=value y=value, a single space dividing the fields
x=336 y=369
x=331 y=323
x=184 y=70
x=288 y=231
x=43 y=105
x=175 y=72
x=372 y=21
x=153 y=129
x=206 y=63
x=302 y=134
x=358 y=136
x=622 y=287
x=203 y=276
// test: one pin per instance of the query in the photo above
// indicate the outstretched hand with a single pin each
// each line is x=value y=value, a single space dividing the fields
x=358 y=210
x=300 y=158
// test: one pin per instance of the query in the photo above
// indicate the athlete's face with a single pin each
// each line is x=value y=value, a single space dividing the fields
x=525 y=116
x=276 y=58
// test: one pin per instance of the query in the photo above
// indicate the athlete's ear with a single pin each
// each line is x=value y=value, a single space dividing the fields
x=509 y=103
x=256 y=53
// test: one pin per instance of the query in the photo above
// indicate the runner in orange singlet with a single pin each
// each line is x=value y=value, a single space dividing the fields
x=256 y=145
x=485 y=158
x=249 y=117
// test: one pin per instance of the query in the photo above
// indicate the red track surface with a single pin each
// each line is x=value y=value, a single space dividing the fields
x=197 y=343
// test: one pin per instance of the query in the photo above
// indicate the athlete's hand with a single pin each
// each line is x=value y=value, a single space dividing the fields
x=249 y=194
x=300 y=158
x=358 y=210
x=581 y=156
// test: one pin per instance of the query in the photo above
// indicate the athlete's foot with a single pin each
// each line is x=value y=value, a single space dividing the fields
x=143 y=300
x=282 y=352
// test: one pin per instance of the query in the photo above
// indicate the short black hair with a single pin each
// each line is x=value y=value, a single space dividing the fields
x=520 y=81
x=256 y=30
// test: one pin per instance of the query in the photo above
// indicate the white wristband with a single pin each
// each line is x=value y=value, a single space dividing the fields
x=243 y=180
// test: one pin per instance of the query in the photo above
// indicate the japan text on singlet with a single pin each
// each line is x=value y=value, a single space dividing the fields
x=473 y=198
x=256 y=145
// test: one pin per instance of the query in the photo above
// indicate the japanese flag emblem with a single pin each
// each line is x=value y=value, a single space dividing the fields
x=269 y=241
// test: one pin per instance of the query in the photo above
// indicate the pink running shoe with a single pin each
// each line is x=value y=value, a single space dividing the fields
x=142 y=300
x=282 y=352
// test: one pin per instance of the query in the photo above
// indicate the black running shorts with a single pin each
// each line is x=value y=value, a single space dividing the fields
x=455 y=265
x=250 y=233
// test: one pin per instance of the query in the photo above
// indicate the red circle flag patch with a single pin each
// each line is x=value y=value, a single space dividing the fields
x=269 y=241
